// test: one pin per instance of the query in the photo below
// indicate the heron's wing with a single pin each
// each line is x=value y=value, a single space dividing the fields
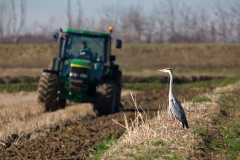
x=176 y=106
x=178 y=111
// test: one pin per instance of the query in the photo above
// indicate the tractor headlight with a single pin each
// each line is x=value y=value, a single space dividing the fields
x=83 y=75
x=73 y=74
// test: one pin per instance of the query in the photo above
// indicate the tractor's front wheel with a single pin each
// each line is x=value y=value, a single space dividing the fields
x=47 y=89
x=107 y=98
x=61 y=103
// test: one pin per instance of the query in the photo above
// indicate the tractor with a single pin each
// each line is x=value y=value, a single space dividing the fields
x=83 y=70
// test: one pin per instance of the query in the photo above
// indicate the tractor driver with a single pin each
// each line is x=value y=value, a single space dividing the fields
x=85 y=51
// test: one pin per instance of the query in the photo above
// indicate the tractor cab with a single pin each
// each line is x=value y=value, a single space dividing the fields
x=79 y=48
x=82 y=45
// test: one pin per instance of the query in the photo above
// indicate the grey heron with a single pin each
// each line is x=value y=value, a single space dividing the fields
x=174 y=106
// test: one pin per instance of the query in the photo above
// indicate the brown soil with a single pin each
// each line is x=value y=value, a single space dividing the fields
x=79 y=140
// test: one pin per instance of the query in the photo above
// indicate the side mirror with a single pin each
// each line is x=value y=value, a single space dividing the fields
x=55 y=35
x=112 y=58
x=118 y=43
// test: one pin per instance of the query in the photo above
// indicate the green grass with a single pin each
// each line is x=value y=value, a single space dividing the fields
x=206 y=70
x=209 y=85
x=173 y=157
x=159 y=143
x=150 y=156
x=206 y=85
x=224 y=140
x=149 y=151
x=232 y=140
x=16 y=87
x=185 y=70
x=143 y=86
x=215 y=146
x=230 y=100
x=226 y=144
x=200 y=99
x=231 y=130
x=201 y=132
x=102 y=148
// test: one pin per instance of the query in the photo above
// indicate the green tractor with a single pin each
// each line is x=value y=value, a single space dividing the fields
x=83 y=70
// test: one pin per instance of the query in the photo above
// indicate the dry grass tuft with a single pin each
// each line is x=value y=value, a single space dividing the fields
x=146 y=137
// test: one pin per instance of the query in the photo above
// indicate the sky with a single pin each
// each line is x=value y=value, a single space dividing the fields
x=54 y=11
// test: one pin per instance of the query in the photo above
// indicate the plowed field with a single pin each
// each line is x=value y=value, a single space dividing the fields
x=78 y=138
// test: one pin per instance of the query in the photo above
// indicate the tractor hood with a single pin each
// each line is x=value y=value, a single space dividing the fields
x=80 y=63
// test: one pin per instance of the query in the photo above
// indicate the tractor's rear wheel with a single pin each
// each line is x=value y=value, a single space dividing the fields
x=47 y=90
x=106 y=97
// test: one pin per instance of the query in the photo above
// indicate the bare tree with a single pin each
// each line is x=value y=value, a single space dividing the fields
x=185 y=13
x=236 y=14
x=203 y=26
x=2 y=15
x=47 y=28
x=161 y=31
x=80 y=15
x=69 y=15
x=235 y=9
x=125 y=27
x=171 y=21
x=188 y=24
x=213 y=32
x=90 y=23
x=137 y=21
x=106 y=18
x=160 y=23
x=149 y=27
x=14 y=27
x=109 y=16
x=167 y=16
x=222 y=21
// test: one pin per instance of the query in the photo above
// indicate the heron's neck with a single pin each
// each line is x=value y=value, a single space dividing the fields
x=171 y=93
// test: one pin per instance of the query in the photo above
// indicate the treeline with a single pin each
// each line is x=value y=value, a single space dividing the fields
x=169 y=21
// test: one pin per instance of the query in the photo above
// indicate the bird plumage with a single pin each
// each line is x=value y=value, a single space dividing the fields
x=174 y=106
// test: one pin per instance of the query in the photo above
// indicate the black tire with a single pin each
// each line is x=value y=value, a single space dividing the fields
x=106 y=97
x=47 y=90
x=109 y=96
x=61 y=103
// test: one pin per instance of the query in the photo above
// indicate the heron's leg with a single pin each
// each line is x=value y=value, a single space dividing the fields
x=176 y=121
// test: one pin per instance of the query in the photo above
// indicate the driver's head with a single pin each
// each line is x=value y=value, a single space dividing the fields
x=84 y=44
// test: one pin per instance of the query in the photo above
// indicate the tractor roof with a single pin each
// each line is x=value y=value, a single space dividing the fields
x=87 y=32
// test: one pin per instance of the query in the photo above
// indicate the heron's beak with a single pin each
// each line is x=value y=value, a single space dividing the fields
x=162 y=70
